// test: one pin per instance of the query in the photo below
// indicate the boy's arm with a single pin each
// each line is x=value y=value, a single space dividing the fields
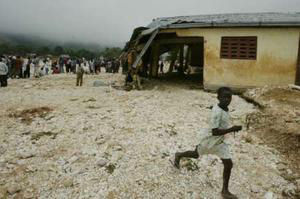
x=218 y=132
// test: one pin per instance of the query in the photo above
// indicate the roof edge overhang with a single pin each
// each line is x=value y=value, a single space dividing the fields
x=231 y=25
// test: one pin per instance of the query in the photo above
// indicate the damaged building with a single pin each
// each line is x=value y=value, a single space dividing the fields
x=235 y=50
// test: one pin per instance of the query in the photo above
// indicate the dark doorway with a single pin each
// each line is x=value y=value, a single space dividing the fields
x=182 y=56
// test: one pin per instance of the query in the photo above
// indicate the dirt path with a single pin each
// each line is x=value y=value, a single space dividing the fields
x=99 y=142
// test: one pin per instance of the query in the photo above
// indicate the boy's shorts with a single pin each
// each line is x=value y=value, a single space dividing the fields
x=222 y=150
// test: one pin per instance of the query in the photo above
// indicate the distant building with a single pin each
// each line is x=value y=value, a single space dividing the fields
x=235 y=50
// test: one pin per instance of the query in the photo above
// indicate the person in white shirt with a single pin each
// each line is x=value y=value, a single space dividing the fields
x=215 y=142
x=3 y=72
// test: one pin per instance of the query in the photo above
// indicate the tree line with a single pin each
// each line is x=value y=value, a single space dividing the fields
x=20 y=49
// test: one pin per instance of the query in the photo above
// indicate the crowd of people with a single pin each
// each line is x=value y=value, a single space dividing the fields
x=16 y=67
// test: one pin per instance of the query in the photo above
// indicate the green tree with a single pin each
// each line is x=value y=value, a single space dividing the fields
x=44 y=50
x=111 y=52
x=58 y=50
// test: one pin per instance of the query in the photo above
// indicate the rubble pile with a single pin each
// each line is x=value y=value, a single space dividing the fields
x=277 y=125
x=101 y=142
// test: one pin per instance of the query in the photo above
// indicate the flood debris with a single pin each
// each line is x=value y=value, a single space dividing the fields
x=27 y=115
x=278 y=127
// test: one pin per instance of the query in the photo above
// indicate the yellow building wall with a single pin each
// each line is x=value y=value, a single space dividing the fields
x=277 y=52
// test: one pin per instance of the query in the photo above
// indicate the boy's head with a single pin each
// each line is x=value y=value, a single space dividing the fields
x=224 y=96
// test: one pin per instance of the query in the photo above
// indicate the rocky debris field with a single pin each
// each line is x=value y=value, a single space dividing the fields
x=277 y=124
x=62 y=141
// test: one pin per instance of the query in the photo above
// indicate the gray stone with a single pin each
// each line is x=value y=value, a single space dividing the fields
x=255 y=189
x=281 y=167
x=289 y=191
x=269 y=195
x=67 y=182
x=102 y=162
x=29 y=193
x=73 y=159
x=26 y=154
x=2 y=150
x=27 y=86
x=98 y=83
x=13 y=188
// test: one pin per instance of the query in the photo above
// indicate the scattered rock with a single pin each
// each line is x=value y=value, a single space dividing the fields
x=110 y=168
x=27 y=86
x=281 y=166
x=73 y=159
x=118 y=148
x=26 y=154
x=102 y=162
x=190 y=165
x=67 y=182
x=13 y=188
x=2 y=150
x=255 y=189
x=3 y=192
x=37 y=136
x=269 y=195
x=99 y=83
x=289 y=191
x=30 y=169
x=90 y=100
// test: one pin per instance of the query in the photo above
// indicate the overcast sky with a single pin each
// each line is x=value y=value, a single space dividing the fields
x=112 y=21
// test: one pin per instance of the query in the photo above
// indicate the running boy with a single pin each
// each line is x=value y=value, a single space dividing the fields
x=214 y=143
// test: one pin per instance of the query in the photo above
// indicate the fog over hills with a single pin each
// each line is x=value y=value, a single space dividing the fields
x=37 y=41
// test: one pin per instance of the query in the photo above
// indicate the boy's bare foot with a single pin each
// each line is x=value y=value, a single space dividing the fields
x=228 y=195
x=177 y=161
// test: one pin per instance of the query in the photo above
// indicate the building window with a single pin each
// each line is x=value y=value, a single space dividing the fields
x=239 y=48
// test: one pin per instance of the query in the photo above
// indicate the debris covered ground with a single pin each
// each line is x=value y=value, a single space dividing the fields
x=62 y=141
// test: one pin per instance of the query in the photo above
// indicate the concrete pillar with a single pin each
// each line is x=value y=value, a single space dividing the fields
x=155 y=59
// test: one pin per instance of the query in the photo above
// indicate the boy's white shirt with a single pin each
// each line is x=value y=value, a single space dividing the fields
x=218 y=145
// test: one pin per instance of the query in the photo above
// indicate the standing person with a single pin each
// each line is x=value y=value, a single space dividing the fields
x=61 y=64
x=25 y=61
x=18 y=71
x=47 y=66
x=36 y=63
x=80 y=71
x=91 y=66
x=3 y=72
x=68 y=65
x=27 y=68
x=13 y=67
x=73 y=65
x=215 y=141
x=161 y=67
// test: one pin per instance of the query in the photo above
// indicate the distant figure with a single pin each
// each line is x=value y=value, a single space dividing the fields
x=80 y=72
x=161 y=67
x=3 y=72
x=69 y=66
x=19 y=64
x=27 y=68
x=61 y=64
x=73 y=65
x=36 y=62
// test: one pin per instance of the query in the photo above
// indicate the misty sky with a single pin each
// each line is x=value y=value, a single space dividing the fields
x=112 y=21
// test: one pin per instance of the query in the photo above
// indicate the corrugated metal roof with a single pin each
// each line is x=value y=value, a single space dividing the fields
x=228 y=20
